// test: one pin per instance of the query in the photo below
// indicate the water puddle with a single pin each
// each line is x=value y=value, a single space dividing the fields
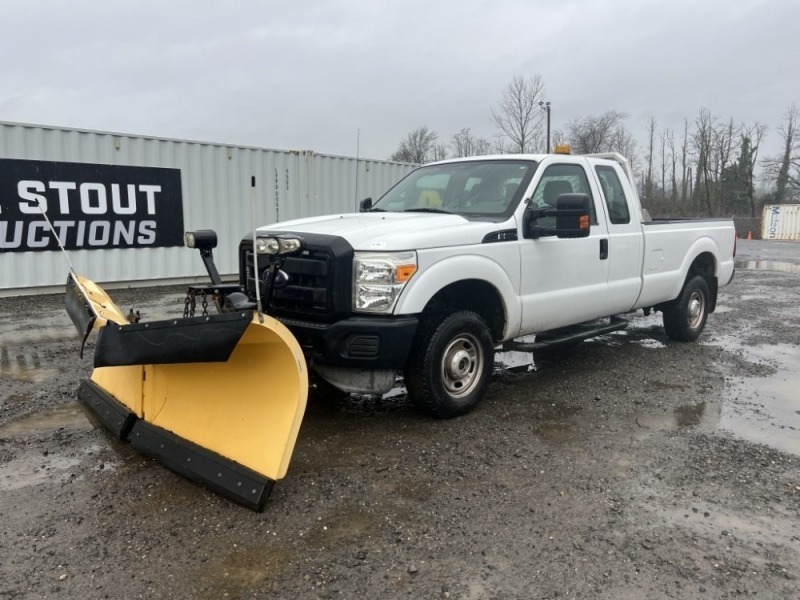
x=704 y=415
x=766 y=410
x=759 y=408
x=25 y=350
x=28 y=470
x=27 y=333
x=27 y=367
x=768 y=265
x=32 y=466
x=247 y=568
x=712 y=520
x=70 y=417
x=558 y=424
x=26 y=343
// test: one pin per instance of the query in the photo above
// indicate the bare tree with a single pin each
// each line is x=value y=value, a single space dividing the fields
x=622 y=141
x=519 y=116
x=753 y=134
x=651 y=136
x=786 y=168
x=702 y=140
x=726 y=141
x=500 y=146
x=417 y=147
x=673 y=159
x=715 y=146
x=601 y=133
x=482 y=147
x=464 y=143
x=664 y=139
x=439 y=152
x=560 y=138
x=686 y=174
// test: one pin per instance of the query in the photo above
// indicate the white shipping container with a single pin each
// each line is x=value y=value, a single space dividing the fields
x=118 y=201
x=780 y=222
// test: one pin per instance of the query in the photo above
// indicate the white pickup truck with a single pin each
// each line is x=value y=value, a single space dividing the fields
x=463 y=257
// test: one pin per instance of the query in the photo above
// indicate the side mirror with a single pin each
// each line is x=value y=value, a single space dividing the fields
x=365 y=205
x=572 y=218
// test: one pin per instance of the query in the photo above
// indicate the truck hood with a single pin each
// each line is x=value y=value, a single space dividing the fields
x=392 y=231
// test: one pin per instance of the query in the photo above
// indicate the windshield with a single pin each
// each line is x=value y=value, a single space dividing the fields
x=487 y=188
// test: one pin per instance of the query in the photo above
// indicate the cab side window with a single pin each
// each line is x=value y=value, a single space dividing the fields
x=616 y=202
x=562 y=179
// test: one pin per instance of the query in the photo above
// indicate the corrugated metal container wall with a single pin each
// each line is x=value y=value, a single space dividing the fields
x=216 y=194
x=780 y=222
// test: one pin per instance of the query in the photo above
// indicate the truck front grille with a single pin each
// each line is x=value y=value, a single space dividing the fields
x=307 y=294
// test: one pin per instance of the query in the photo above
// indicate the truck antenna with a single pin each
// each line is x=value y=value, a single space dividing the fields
x=53 y=231
x=358 y=152
x=255 y=254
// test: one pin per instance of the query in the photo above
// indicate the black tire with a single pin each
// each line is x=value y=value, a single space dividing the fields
x=685 y=317
x=450 y=364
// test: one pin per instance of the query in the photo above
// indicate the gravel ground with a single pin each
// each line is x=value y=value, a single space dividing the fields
x=628 y=467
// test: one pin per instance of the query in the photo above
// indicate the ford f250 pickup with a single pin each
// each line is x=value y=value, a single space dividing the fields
x=463 y=257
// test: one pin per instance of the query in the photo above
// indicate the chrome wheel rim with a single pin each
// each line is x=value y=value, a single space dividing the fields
x=462 y=364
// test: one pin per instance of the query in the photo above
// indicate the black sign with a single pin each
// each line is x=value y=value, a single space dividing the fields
x=90 y=206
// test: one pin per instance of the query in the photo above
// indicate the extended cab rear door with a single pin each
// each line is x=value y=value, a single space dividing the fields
x=625 y=239
x=564 y=281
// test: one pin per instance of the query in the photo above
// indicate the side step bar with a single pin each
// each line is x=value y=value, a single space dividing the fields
x=568 y=335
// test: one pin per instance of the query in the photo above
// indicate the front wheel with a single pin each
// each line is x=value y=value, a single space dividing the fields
x=685 y=317
x=450 y=364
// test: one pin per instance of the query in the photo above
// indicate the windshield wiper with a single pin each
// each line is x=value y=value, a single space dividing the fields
x=375 y=210
x=430 y=210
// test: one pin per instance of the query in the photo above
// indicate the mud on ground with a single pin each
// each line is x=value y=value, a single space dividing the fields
x=629 y=467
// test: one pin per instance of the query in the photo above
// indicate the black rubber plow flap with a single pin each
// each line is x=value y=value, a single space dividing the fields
x=224 y=476
x=218 y=398
x=187 y=340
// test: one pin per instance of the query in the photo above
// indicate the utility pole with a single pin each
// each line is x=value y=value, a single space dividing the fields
x=546 y=107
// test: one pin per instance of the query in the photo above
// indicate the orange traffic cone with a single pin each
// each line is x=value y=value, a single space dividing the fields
x=749 y=235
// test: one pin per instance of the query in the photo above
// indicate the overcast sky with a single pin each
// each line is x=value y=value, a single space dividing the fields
x=308 y=75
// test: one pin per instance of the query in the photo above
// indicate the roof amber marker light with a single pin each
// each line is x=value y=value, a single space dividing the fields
x=562 y=149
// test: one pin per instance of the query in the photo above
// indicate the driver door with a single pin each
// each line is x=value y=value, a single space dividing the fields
x=564 y=281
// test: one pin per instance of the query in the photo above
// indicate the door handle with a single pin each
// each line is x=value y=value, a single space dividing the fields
x=603 y=249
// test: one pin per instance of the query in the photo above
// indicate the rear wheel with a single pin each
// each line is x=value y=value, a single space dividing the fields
x=450 y=364
x=685 y=317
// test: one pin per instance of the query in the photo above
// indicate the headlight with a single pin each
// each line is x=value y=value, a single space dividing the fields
x=277 y=245
x=379 y=277
x=267 y=246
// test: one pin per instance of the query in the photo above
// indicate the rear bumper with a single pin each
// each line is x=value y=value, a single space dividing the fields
x=359 y=342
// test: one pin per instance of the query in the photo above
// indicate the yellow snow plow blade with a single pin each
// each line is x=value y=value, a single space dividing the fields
x=217 y=398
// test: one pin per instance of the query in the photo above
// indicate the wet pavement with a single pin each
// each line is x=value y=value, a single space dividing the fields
x=628 y=467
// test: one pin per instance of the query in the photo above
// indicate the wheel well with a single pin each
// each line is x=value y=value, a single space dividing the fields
x=705 y=266
x=475 y=295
